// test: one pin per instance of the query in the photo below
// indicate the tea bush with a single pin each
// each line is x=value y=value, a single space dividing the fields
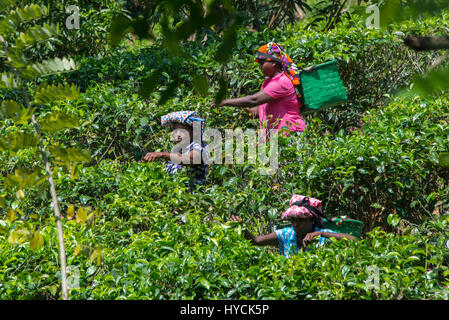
x=374 y=159
x=160 y=242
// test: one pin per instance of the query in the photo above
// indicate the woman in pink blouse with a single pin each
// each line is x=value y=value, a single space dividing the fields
x=277 y=103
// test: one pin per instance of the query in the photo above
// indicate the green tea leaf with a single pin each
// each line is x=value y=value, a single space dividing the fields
x=36 y=240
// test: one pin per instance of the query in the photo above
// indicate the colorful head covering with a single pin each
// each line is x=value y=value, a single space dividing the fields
x=301 y=206
x=274 y=52
x=186 y=117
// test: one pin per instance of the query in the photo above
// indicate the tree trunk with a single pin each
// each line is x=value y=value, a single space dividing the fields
x=62 y=257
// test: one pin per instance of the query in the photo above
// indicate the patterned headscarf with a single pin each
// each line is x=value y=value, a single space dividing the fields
x=301 y=211
x=274 y=52
x=186 y=117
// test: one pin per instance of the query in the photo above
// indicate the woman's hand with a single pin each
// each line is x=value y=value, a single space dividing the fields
x=152 y=156
x=213 y=104
x=309 y=237
x=236 y=218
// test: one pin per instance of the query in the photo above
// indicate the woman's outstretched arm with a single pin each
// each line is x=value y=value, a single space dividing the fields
x=263 y=240
x=249 y=101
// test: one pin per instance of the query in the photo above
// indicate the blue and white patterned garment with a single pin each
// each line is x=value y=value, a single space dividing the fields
x=287 y=240
x=198 y=172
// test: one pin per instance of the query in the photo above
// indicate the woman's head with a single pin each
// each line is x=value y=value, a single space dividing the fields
x=182 y=133
x=302 y=224
x=280 y=62
x=269 y=68
x=304 y=212
x=185 y=124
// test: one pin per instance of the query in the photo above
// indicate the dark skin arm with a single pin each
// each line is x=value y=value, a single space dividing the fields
x=263 y=240
x=186 y=159
x=247 y=102
x=310 y=236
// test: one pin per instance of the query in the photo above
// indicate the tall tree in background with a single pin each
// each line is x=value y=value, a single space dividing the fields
x=18 y=75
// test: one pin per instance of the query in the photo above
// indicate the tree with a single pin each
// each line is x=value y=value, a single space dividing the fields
x=28 y=131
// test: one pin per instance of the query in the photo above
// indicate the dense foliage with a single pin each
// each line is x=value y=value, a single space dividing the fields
x=131 y=232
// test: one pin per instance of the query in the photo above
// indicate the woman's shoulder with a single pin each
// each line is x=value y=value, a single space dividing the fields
x=284 y=80
x=279 y=84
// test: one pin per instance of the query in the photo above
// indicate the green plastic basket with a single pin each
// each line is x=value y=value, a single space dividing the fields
x=344 y=225
x=321 y=87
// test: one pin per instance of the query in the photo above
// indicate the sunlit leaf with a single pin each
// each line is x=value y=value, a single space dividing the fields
x=11 y=215
x=81 y=215
x=70 y=212
x=23 y=178
x=10 y=109
x=19 y=140
x=18 y=16
x=70 y=155
x=204 y=283
x=58 y=120
x=48 y=67
x=19 y=236
x=4 y=230
x=36 y=240
x=36 y=34
x=52 y=93
x=20 y=194
x=8 y=80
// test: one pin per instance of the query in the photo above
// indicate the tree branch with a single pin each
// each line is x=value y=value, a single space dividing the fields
x=427 y=43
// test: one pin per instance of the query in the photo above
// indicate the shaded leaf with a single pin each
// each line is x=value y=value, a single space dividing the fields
x=444 y=160
x=201 y=85
x=120 y=25
x=434 y=81
x=227 y=46
x=150 y=83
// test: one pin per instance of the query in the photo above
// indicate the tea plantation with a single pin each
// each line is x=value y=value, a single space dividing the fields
x=133 y=232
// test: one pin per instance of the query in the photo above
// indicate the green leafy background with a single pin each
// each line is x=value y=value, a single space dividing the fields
x=134 y=233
